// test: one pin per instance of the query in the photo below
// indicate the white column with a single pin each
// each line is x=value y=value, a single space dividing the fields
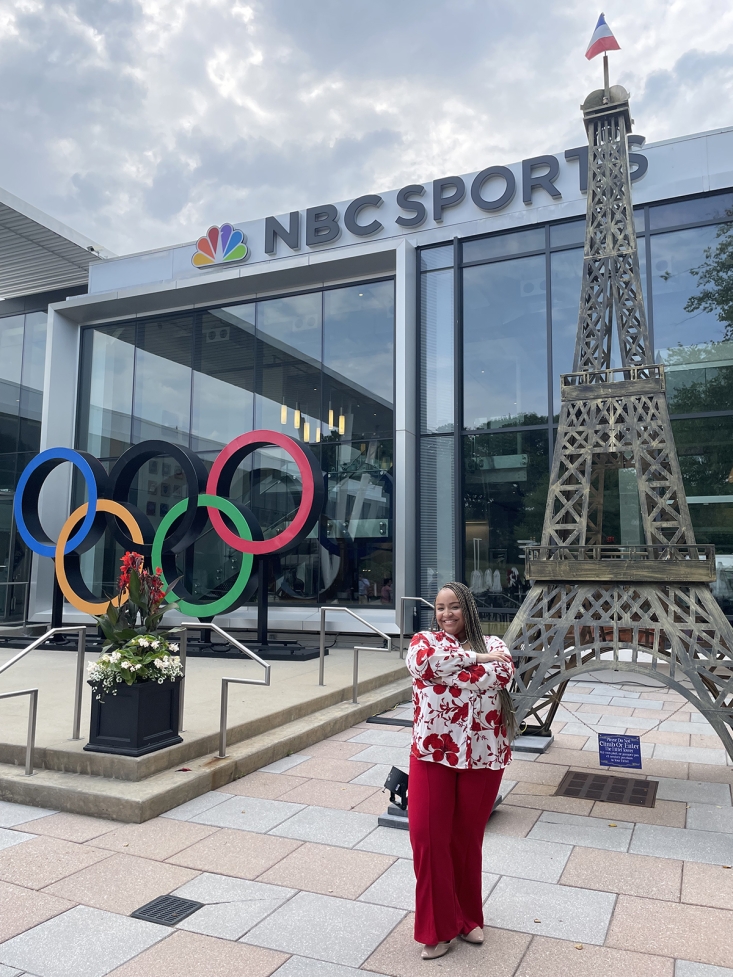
x=58 y=426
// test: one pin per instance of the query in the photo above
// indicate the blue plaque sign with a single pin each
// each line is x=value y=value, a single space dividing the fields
x=619 y=751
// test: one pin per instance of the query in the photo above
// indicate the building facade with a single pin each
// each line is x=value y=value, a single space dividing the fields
x=414 y=339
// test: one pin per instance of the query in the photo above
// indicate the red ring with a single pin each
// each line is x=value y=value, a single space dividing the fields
x=253 y=441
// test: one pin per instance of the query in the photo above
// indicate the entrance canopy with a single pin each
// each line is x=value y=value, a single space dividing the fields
x=39 y=253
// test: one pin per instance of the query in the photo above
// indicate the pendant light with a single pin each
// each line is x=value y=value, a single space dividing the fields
x=284 y=414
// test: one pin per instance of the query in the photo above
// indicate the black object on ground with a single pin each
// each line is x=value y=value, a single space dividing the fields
x=604 y=787
x=167 y=910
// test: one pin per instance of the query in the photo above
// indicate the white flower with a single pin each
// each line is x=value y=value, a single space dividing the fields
x=173 y=647
x=155 y=644
x=158 y=663
x=124 y=664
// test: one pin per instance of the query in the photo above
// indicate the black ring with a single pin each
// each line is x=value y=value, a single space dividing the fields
x=122 y=476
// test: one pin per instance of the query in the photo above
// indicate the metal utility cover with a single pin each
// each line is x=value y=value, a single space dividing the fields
x=167 y=910
x=604 y=787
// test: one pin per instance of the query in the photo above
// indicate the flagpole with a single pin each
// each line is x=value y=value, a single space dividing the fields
x=606 y=85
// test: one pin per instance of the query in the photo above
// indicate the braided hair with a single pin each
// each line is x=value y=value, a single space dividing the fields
x=475 y=637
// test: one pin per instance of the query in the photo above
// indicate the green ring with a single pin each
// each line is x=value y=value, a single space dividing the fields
x=224 y=603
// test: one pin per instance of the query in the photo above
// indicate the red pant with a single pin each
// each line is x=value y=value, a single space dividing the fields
x=448 y=809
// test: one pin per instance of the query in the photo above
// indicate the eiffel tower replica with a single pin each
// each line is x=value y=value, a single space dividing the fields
x=644 y=608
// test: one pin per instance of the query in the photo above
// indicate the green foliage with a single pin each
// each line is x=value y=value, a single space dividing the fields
x=142 y=612
x=715 y=280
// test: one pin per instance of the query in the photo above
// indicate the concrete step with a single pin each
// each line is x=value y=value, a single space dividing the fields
x=71 y=758
x=139 y=800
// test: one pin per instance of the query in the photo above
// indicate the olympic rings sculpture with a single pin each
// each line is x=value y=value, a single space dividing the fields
x=107 y=507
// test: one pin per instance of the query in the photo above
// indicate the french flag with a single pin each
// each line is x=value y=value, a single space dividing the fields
x=602 y=40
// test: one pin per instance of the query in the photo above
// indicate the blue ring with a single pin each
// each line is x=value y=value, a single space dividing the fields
x=59 y=455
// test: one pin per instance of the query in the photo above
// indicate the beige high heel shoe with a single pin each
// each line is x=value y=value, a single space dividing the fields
x=476 y=936
x=433 y=952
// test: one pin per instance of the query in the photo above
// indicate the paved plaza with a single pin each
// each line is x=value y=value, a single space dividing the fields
x=298 y=880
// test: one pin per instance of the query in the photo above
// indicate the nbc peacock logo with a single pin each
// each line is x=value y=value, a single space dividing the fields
x=219 y=245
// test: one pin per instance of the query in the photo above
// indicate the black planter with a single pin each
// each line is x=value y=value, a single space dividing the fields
x=139 y=719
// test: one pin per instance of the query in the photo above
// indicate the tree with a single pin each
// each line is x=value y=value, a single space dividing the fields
x=715 y=280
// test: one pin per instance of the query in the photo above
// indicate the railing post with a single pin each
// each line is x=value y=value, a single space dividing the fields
x=355 y=696
x=80 y=653
x=322 y=658
x=223 y=718
x=402 y=624
x=31 y=742
x=182 y=648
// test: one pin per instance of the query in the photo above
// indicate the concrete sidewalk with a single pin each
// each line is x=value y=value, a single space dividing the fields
x=298 y=880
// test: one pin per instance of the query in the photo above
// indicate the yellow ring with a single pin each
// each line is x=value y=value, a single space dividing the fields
x=103 y=505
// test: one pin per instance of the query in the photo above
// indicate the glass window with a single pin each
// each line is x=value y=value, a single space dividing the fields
x=705 y=451
x=356 y=549
x=715 y=207
x=505 y=343
x=108 y=359
x=437 y=524
x=431 y=258
x=571 y=232
x=34 y=350
x=223 y=380
x=11 y=347
x=358 y=361
x=695 y=345
x=162 y=398
x=293 y=324
x=500 y=245
x=436 y=352
x=505 y=479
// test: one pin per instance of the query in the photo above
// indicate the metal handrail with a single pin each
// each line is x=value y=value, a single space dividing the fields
x=345 y=610
x=402 y=617
x=225 y=682
x=32 y=714
x=80 y=653
x=357 y=648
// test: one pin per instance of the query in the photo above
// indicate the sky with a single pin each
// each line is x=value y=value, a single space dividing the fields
x=140 y=124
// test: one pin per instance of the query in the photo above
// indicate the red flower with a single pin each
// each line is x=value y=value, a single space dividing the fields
x=443 y=747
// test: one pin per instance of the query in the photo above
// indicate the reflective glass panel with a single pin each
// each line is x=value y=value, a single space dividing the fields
x=223 y=379
x=711 y=208
x=694 y=344
x=436 y=351
x=437 y=523
x=11 y=348
x=358 y=361
x=505 y=479
x=500 y=245
x=356 y=546
x=505 y=343
x=571 y=232
x=34 y=350
x=292 y=324
x=705 y=450
x=108 y=358
x=162 y=399
x=431 y=258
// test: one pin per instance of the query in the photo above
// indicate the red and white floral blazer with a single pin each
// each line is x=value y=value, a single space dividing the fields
x=457 y=714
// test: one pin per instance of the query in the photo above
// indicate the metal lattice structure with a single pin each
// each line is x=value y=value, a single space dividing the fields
x=643 y=608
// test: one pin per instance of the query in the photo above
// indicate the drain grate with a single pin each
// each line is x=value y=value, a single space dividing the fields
x=167 y=910
x=603 y=787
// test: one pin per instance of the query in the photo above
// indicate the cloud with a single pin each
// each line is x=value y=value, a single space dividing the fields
x=141 y=123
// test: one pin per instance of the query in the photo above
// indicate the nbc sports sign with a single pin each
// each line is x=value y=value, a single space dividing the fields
x=219 y=245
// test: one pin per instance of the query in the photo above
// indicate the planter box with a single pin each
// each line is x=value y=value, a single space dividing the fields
x=139 y=719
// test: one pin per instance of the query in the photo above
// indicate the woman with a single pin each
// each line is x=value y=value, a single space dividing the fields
x=461 y=738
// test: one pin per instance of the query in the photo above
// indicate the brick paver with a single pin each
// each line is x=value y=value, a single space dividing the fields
x=298 y=880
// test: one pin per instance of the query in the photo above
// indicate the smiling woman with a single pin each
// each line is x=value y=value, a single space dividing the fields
x=461 y=737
